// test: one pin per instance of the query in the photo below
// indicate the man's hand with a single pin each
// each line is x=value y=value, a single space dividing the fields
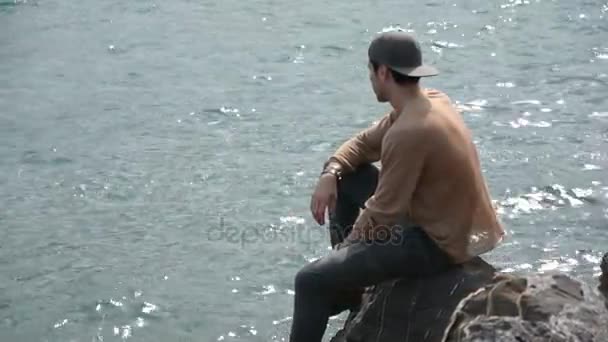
x=324 y=198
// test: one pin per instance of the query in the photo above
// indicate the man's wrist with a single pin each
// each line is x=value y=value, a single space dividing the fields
x=334 y=168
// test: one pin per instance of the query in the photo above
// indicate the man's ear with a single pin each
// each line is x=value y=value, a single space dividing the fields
x=383 y=72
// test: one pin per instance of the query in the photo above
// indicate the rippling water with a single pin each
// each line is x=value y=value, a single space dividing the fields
x=157 y=158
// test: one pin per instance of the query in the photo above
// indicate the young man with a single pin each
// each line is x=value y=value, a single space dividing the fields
x=427 y=207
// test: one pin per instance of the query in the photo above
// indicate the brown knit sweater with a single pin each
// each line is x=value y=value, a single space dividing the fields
x=430 y=175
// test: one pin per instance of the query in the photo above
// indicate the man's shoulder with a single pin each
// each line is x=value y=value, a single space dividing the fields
x=411 y=131
x=434 y=93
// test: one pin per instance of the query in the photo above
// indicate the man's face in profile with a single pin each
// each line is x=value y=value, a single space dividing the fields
x=378 y=79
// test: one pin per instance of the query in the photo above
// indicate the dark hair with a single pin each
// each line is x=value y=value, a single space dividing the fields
x=399 y=78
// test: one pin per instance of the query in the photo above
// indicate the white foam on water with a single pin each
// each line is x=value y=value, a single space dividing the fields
x=283 y=320
x=553 y=265
x=60 y=324
x=396 y=28
x=126 y=332
x=549 y=266
x=527 y=102
x=446 y=44
x=591 y=167
x=149 y=308
x=521 y=122
x=592 y=258
x=116 y=303
x=505 y=85
x=268 y=289
x=478 y=103
x=292 y=219
x=140 y=322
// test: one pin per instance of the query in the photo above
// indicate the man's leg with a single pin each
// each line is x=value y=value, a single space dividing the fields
x=409 y=253
x=353 y=190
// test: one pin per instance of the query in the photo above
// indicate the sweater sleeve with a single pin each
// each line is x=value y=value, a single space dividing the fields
x=403 y=158
x=364 y=147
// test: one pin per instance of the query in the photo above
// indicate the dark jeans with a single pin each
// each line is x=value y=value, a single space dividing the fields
x=408 y=253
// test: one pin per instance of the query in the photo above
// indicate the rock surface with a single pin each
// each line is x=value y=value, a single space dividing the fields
x=535 y=308
x=604 y=277
x=473 y=303
x=416 y=311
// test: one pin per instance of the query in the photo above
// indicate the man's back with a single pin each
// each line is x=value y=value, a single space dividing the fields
x=450 y=201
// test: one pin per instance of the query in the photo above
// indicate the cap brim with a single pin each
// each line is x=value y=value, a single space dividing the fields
x=421 y=71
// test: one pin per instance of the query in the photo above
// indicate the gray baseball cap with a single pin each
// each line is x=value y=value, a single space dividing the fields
x=399 y=51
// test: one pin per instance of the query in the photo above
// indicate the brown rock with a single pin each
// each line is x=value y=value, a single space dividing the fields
x=604 y=277
x=534 y=308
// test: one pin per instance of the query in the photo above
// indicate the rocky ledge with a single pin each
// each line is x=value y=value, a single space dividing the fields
x=475 y=303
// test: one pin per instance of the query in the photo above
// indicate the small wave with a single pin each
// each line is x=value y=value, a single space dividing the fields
x=520 y=267
x=600 y=53
x=242 y=331
x=395 y=28
x=446 y=45
x=221 y=110
x=550 y=197
x=472 y=106
x=218 y=115
x=268 y=289
x=125 y=331
x=515 y=3
x=60 y=324
x=148 y=308
x=292 y=220
x=591 y=167
x=336 y=48
x=434 y=26
x=505 y=85
x=527 y=102
x=262 y=77
x=120 y=317
x=592 y=258
x=478 y=103
x=521 y=122
x=283 y=320
x=562 y=265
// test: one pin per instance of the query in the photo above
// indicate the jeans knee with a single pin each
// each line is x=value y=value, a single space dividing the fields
x=306 y=280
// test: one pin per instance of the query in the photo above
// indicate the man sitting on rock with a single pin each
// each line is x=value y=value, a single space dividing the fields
x=425 y=209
